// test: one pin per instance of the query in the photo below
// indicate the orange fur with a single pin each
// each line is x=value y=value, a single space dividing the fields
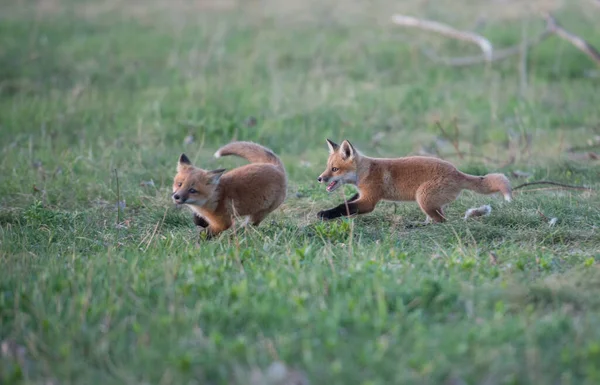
x=432 y=182
x=216 y=197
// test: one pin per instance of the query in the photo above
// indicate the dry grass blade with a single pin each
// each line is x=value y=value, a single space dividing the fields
x=493 y=258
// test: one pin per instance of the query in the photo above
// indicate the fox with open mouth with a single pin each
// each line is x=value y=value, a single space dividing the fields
x=432 y=182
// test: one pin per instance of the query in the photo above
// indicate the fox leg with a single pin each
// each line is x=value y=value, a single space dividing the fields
x=429 y=220
x=432 y=202
x=435 y=215
x=216 y=228
x=341 y=209
x=255 y=219
x=358 y=206
x=200 y=221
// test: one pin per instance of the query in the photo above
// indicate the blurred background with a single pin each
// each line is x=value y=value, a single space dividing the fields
x=89 y=86
x=102 y=278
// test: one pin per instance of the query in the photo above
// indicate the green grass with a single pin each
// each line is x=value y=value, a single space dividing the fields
x=87 y=88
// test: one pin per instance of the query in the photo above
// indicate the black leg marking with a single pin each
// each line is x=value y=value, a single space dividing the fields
x=354 y=197
x=339 y=211
x=199 y=221
x=345 y=209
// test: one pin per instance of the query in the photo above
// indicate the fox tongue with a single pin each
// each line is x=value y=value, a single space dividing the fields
x=330 y=186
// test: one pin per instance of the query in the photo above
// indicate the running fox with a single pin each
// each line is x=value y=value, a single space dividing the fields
x=216 y=197
x=432 y=182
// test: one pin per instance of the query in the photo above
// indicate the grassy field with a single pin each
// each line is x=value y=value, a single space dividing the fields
x=102 y=278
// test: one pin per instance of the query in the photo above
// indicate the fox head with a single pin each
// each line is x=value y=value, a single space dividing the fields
x=341 y=165
x=192 y=185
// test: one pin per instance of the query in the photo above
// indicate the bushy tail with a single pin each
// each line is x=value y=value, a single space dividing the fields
x=489 y=184
x=252 y=152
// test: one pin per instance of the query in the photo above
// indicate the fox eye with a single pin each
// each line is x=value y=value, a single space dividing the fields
x=334 y=169
x=179 y=184
x=192 y=191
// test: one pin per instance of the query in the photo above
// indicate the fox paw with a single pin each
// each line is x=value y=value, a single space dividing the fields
x=324 y=215
x=204 y=234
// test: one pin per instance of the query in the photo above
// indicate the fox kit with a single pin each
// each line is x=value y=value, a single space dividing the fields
x=216 y=197
x=432 y=182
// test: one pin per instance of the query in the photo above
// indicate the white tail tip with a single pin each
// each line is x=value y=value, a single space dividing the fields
x=218 y=154
x=482 y=211
x=507 y=197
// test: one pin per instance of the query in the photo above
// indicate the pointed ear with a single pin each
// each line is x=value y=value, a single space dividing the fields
x=184 y=162
x=215 y=175
x=183 y=159
x=347 y=150
x=332 y=146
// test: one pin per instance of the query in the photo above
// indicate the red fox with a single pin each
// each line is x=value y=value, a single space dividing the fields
x=216 y=197
x=432 y=182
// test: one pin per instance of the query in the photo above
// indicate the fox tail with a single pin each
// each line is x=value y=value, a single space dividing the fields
x=489 y=184
x=252 y=152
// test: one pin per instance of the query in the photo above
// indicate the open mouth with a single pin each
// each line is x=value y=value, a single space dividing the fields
x=333 y=185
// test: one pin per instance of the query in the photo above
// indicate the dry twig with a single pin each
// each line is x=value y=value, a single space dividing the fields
x=577 y=41
x=563 y=185
x=452 y=139
x=489 y=54
x=443 y=29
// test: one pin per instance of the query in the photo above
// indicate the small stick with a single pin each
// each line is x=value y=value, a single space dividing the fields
x=237 y=241
x=158 y=224
x=569 y=186
x=118 y=199
x=540 y=189
x=346 y=204
x=454 y=141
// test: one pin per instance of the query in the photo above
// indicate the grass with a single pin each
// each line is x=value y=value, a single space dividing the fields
x=107 y=285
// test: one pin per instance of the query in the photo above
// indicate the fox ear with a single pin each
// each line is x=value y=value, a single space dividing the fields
x=183 y=159
x=184 y=162
x=332 y=146
x=347 y=150
x=215 y=175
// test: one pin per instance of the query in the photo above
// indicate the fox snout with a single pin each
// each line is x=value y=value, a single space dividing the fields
x=323 y=178
x=179 y=198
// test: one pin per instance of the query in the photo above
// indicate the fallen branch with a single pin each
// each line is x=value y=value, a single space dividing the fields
x=434 y=26
x=489 y=54
x=577 y=41
x=501 y=54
